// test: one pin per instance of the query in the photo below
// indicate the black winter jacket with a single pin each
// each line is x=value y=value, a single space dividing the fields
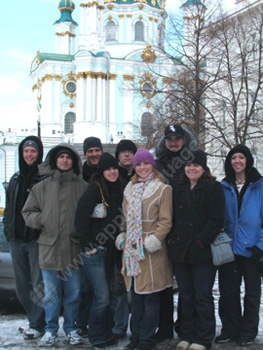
x=87 y=171
x=93 y=232
x=198 y=218
x=17 y=192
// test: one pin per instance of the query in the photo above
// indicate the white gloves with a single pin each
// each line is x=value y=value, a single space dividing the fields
x=152 y=243
x=120 y=240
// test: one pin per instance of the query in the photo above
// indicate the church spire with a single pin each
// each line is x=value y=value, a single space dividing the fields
x=65 y=28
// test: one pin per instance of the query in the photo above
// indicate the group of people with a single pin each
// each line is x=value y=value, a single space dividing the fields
x=160 y=216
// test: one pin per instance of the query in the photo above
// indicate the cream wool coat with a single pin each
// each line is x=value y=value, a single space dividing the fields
x=156 y=269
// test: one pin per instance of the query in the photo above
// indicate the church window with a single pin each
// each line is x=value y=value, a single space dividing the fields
x=71 y=87
x=147 y=124
x=111 y=31
x=139 y=31
x=70 y=119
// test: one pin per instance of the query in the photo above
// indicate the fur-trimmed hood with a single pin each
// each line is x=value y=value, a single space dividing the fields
x=149 y=191
x=48 y=165
x=171 y=164
x=161 y=151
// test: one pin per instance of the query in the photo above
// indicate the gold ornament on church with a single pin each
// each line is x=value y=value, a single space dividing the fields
x=148 y=54
x=70 y=86
x=148 y=86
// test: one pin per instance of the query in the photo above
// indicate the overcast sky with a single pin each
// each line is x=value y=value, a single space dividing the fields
x=26 y=26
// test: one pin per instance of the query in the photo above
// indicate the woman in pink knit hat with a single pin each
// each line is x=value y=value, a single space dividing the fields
x=146 y=268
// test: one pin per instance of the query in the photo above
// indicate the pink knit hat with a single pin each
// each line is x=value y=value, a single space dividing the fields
x=142 y=155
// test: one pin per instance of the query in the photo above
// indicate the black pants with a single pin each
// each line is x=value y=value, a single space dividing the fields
x=166 y=314
x=197 y=319
x=235 y=321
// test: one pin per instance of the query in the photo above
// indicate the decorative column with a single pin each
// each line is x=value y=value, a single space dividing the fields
x=129 y=29
x=80 y=101
x=89 y=102
x=112 y=96
x=121 y=28
x=57 y=98
x=128 y=103
x=99 y=101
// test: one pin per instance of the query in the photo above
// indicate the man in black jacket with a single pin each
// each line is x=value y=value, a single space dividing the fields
x=92 y=149
x=124 y=153
x=22 y=240
x=172 y=153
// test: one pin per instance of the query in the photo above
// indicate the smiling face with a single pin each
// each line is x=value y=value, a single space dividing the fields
x=194 y=172
x=64 y=162
x=30 y=155
x=143 y=170
x=93 y=155
x=111 y=174
x=174 y=143
x=239 y=163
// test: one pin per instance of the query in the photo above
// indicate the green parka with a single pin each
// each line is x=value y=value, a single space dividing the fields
x=51 y=207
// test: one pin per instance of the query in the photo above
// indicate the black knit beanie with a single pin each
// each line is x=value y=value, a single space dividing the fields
x=106 y=161
x=198 y=157
x=125 y=145
x=91 y=142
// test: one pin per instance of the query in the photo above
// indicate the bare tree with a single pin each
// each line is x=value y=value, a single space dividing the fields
x=214 y=87
x=182 y=95
x=235 y=101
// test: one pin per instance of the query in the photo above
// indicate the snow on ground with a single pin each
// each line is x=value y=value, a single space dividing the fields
x=12 y=339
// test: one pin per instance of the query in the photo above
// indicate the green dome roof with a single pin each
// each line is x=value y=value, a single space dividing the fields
x=189 y=3
x=152 y=3
x=66 y=7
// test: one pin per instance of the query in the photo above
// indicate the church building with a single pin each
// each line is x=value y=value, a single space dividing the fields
x=100 y=80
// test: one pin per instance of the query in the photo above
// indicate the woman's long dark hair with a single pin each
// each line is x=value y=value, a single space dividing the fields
x=100 y=179
x=205 y=177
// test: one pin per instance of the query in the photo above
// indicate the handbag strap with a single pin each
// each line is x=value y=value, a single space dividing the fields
x=102 y=196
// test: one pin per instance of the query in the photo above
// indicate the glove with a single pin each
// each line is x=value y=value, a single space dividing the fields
x=120 y=240
x=257 y=254
x=152 y=244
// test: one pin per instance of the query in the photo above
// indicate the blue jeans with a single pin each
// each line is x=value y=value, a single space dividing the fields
x=101 y=312
x=60 y=288
x=121 y=315
x=197 y=317
x=28 y=279
x=145 y=319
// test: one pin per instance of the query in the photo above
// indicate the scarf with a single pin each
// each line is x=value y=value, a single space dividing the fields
x=133 y=252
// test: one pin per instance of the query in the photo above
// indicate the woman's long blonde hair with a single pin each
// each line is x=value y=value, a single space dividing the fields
x=157 y=175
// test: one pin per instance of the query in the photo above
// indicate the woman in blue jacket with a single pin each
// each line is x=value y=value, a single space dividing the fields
x=243 y=187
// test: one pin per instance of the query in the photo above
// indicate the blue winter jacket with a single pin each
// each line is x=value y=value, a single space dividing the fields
x=245 y=227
